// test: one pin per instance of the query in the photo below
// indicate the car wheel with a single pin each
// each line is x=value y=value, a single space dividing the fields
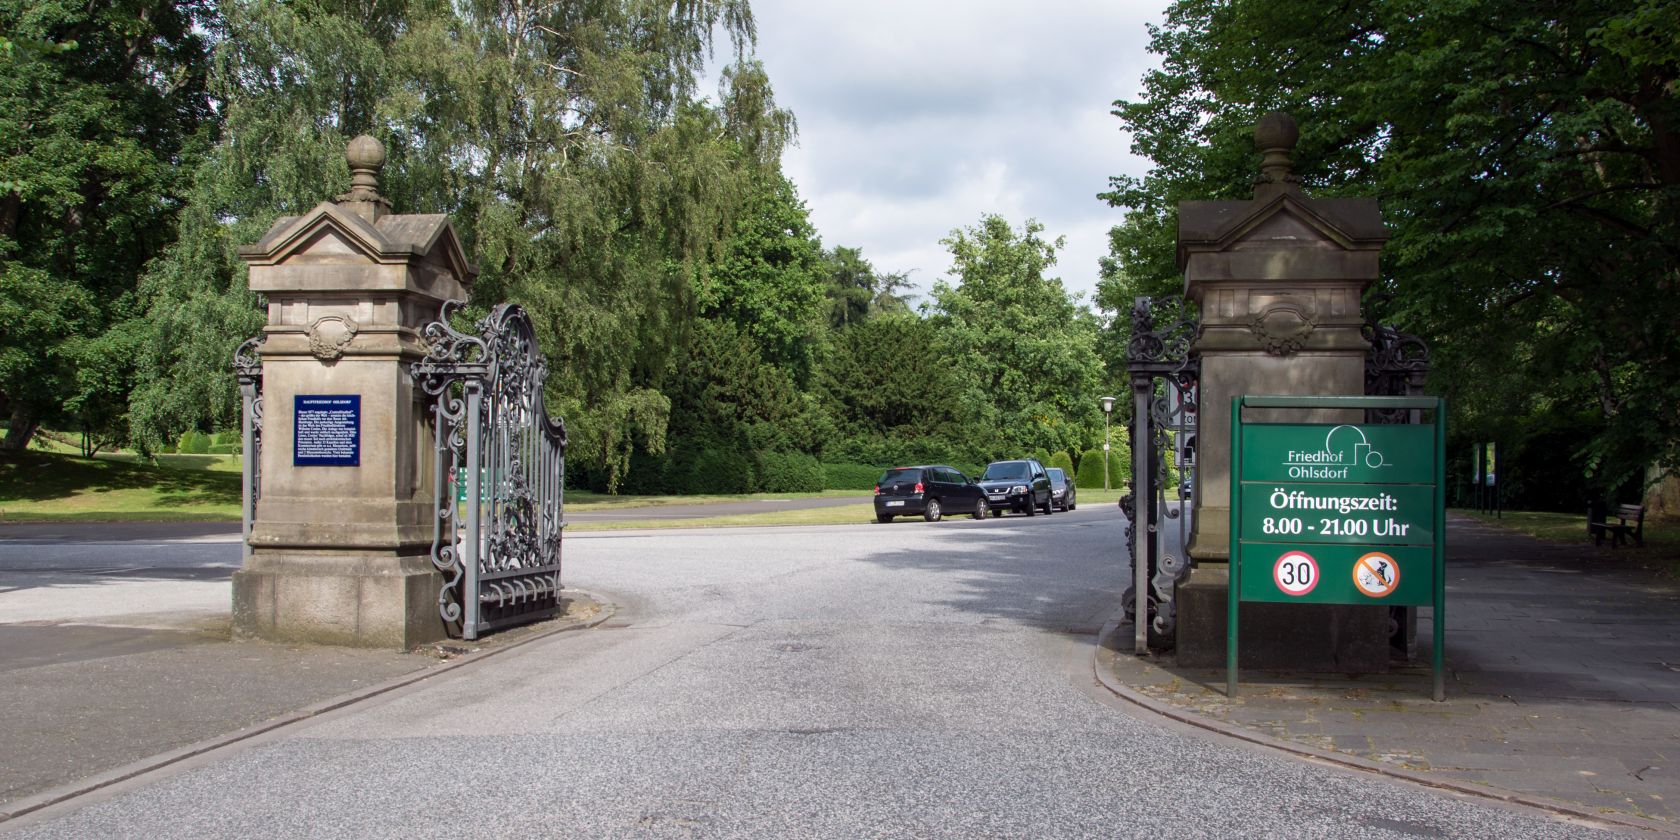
x=1032 y=509
x=996 y=513
x=980 y=508
x=1073 y=501
x=883 y=518
x=1049 y=505
x=932 y=512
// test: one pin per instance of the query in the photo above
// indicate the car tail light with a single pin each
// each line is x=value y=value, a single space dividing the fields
x=918 y=487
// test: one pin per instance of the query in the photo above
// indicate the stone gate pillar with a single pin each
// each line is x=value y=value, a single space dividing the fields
x=340 y=543
x=1278 y=281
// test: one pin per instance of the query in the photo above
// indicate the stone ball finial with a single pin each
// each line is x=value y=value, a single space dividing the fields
x=366 y=156
x=1276 y=130
x=365 y=152
x=1275 y=135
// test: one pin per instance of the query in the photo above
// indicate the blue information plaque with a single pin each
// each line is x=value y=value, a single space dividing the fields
x=327 y=430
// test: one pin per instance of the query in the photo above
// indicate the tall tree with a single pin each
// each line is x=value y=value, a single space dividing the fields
x=568 y=142
x=1528 y=159
x=1026 y=349
x=101 y=105
x=856 y=291
x=768 y=278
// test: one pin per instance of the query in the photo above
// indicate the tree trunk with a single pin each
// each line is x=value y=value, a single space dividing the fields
x=1663 y=497
x=22 y=428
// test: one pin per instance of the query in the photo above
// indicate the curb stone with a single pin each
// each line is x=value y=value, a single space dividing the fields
x=1101 y=666
x=459 y=656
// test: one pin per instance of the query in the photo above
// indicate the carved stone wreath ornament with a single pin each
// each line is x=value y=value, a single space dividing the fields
x=1283 y=327
x=329 y=335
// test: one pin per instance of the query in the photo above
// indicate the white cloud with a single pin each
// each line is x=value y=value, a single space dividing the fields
x=917 y=117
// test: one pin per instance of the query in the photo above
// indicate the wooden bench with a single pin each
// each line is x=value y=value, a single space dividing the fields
x=1630 y=522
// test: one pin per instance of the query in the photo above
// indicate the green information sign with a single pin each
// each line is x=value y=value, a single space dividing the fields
x=1326 y=513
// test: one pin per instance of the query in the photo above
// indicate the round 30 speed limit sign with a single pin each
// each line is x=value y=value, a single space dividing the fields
x=1296 y=573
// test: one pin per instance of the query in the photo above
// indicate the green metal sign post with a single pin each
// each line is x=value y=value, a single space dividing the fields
x=1326 y=513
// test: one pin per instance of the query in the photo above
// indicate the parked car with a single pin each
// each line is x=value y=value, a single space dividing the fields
x=1062 y=492
x=930 y=491
x=1022 y=486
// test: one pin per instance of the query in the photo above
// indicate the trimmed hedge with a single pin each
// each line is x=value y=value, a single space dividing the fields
x=789 y=472
x=1090 y=475
x=193 y=443
x=850 y=476
x=1063 y=461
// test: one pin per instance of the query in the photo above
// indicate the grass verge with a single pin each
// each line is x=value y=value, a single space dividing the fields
x=841 y=515
x=584 y=500
x=43 y=487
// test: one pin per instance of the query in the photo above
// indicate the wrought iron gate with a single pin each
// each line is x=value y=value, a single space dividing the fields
x=247 y=368
x=500 y=472
x=1164 y=374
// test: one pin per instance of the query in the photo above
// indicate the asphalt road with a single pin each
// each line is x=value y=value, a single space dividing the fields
x=904 y=680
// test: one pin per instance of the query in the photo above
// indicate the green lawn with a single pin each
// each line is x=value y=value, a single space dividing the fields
x=1662 y=536
x=57 y=485
x=585 y=500
x=41 y=486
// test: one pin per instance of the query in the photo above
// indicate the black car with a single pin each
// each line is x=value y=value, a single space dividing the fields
x=1022 y=486
x=931 y=491
x=1062 y=492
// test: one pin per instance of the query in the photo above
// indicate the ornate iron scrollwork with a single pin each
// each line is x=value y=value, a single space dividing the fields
x=247 y=368
x=1162 y=367
x=497 y=539
x=1395 y=366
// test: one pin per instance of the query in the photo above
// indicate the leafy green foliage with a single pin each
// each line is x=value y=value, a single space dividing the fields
x=850 y=476
x=1528 y=160
x=567 y=144
x=1062 y=461
x=101 y=105
x=1090 y=475
x=1024 y=349
x=890 y=383
x=856 y=292
x=768 y=280
x=789 y=472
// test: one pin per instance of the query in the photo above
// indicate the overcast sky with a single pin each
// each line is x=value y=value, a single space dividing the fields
x=918 y=116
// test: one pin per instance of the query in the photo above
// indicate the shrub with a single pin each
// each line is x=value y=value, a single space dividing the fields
x=1063 y=461
x=193 y=443
x=224 y=449
x=719 y=471
x=1120 y=466
x=789 y=472
x=227 y=436
x=850 y=476
x=1090 y=476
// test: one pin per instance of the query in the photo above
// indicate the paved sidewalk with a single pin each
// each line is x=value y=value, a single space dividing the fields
x=1563 y=686
x=95 y=699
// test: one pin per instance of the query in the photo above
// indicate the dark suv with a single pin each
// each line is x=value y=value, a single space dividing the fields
x=931 y=491
x=1022 y=486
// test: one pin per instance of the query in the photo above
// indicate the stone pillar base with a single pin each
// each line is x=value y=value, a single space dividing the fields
x=1313 y=638
x=375 y=602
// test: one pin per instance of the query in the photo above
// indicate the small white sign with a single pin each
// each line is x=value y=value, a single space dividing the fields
x=1296 y=573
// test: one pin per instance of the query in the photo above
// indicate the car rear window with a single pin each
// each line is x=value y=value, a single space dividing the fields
x=909 y=475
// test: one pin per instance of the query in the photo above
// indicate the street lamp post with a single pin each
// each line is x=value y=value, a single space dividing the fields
x=1108 y=408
